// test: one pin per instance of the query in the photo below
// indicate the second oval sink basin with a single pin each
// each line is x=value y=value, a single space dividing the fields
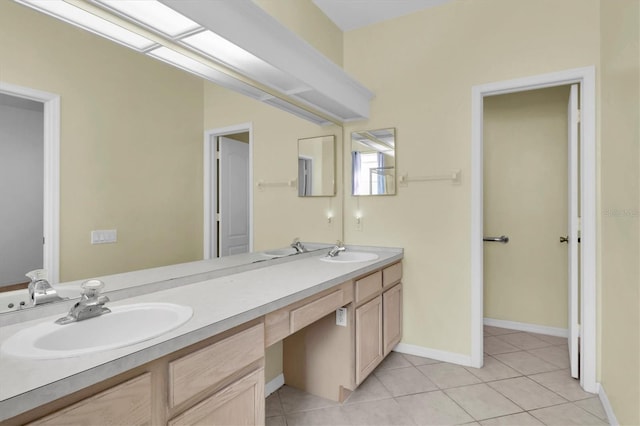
x=280 y=252
x=351 y=257
x=124 y=326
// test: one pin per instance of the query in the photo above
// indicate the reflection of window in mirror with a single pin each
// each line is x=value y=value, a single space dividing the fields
x=373 y=162
x=316 y=167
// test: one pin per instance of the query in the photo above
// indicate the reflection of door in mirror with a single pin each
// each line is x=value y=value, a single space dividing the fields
x=305 y=176
x=316 y=167
x=21 y=188
x=373 y=162
x=233 y=195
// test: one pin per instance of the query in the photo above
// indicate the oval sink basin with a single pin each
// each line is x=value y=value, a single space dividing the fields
x=280 y=252
x=351 y=257
x=123 y=326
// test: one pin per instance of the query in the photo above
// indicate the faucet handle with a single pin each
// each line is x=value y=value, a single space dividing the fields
x=91 y=288
x=36 y=274
x=339 y=243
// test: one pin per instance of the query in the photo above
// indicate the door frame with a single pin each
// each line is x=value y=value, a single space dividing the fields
x=211 y=182
x=51 y=206
x=588 y=163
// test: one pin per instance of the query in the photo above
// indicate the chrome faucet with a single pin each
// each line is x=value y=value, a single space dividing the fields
x=91 y=304
x=40 y=291
x=296 y=244
x=339 y=247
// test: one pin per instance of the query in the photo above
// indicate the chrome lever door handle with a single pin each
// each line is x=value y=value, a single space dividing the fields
x=501 y=239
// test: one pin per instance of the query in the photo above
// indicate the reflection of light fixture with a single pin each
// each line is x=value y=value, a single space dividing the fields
x=90 y=22
x=220 y=41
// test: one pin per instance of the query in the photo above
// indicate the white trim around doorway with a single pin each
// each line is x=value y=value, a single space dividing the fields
x=586 y=78
x=51 y=219
x=210 y=182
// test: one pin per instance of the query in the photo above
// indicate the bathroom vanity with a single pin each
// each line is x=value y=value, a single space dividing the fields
x=211 y=369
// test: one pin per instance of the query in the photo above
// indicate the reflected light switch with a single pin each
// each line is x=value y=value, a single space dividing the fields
x=104 y=236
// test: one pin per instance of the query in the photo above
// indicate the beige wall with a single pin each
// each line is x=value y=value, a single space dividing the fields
x=131 y=144
x=426 y=95
x=620 y=208
x=525 y=198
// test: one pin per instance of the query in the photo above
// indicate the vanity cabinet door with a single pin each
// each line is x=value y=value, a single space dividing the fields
x=128 y=403
x=368 y=338
x=241 y=403
x=392 y=317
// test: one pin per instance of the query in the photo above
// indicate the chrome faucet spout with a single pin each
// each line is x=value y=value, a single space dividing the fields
x=40 y=291
x=296 y=244
x=336 y=250
x=91 y=303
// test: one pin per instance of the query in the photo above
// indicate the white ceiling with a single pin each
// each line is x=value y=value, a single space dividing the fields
x=352 y=14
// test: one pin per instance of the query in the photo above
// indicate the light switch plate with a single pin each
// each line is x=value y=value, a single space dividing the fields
x=104 y=236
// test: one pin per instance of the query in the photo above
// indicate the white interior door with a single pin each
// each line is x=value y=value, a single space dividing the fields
x=233 y=199
x=574 y=221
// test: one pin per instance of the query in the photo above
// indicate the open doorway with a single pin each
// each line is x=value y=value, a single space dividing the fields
x=585 y=78
x=228 y=193
x=528 y=258
x=41 y=234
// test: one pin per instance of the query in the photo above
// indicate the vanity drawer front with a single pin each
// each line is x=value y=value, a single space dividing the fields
x=209 y=366
x=286 y=321
x=241 y=403
x=368 y=286
x=311 y=312
x=391 y=274
x=128 y=403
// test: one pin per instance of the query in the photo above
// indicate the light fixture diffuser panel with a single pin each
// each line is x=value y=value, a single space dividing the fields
x=90 y=22
x=153 y=14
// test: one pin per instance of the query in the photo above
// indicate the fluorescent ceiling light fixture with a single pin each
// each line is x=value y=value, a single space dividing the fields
x=188 y=64
x=90 y=22
x=153 y=14
x=222 y=50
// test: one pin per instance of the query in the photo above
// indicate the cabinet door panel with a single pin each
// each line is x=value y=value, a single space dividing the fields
x=368 y=338
x=126 y=404
x=239 y=404
x=392 y=314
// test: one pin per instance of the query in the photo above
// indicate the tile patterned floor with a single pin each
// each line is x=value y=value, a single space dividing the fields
x=525 y=381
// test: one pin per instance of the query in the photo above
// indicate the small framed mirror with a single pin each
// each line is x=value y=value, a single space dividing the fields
x=373 y=162
x=317 y=167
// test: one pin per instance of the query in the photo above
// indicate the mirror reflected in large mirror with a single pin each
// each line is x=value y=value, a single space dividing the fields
x=316 y=167
x=373 y=162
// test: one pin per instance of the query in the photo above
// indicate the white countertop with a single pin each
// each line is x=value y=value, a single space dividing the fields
x=219 y=304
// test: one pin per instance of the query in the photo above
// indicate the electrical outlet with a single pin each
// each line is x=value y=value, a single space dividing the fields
x=341 y=317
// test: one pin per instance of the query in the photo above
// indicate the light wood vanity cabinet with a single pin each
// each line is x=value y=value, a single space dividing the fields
x=240 y=403
x=217 y=381
x=368 y=338
x=128 y=403
x=378 y=322
x=330 y=360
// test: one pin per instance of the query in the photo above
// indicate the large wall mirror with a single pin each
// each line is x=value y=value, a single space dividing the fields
x=317 y=167
x=373 y=162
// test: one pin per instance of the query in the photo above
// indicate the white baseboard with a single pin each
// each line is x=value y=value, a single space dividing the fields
x=451 y=357
x=273 y=385
x=531 y=328
x=608 y=409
